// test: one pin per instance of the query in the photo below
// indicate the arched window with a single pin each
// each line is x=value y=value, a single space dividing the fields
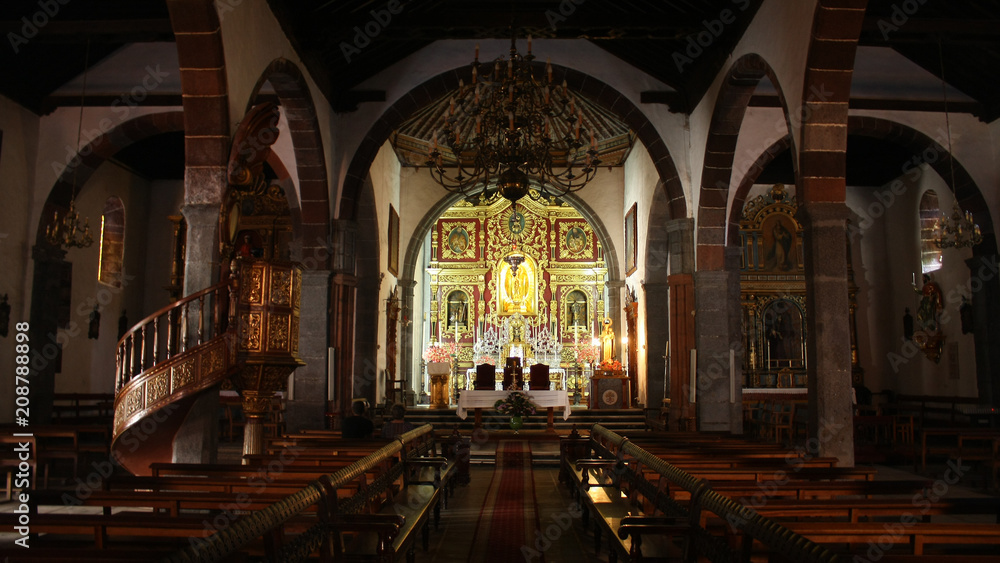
x=930 y=214
x=112 y=242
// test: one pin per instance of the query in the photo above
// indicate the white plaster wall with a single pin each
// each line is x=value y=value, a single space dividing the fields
x=640 y=183
x=889 y=259
x=972 y=143
x=385 y=183
x=780 y=34
x=88 y=366
x=17 y=176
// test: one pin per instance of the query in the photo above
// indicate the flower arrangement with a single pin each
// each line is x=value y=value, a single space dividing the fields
x=587 y=353
x=440 y=352
x=484 y=359
x=613 y=365
x=515 y=404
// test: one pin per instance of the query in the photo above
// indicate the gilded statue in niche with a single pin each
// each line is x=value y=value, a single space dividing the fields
x=518 y=291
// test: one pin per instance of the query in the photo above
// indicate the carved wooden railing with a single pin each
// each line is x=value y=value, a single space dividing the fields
x=172 y=330
x=168 y=357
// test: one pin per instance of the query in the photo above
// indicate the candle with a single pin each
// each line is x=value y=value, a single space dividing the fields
x=913 y=278
x=732 y=376
x=694 y=375
x=477 y=52
x=529 y=44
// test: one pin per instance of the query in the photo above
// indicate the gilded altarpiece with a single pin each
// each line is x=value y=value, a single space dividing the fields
x=772 y=292
x=559 y=286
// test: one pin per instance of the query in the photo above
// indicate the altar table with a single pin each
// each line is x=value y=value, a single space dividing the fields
x=477 y=400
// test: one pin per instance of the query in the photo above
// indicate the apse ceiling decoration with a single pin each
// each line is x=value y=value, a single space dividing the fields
x=508 y=132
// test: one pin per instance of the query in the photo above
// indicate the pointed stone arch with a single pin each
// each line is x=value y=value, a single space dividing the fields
x=295 y=99
x=720 y=151
x=445 y=82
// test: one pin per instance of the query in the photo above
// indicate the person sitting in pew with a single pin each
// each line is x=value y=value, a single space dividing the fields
x=358 y=426
x=396 y=426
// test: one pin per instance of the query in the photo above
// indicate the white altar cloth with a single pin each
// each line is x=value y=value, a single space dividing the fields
x=470 y=400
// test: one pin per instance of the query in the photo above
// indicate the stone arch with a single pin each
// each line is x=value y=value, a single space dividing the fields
x=445 y=82
x=749 y=179
x=295 y=99
x=205 y=97
x=410 y=257
x=720 y=150
x=826 y=90
x=929 y=151
x=91 y=156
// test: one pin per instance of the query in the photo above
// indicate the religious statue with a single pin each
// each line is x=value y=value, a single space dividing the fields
x=608 y=342
x=930 y=305
x=781 y=247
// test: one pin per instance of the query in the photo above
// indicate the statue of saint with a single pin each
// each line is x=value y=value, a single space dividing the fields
x=607 y=342
x=930 y=305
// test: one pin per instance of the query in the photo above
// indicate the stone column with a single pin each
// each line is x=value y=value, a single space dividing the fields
x=343 y=291
x=307 y=408
x=201 y=261
x=406 y=338
x=50 y=263
x=717 y=322
x=985 y=286
x=828 y=342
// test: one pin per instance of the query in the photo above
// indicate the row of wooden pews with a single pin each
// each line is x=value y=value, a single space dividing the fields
x=305 y=496
x=663 y=495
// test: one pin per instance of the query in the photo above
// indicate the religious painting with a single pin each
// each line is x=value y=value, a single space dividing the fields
x=393 y=265
x=517 y=288
x=576 y=240
x=630 y=241
x=783 y=334
x=458 y=309
x=458 y=240
x=779 y=244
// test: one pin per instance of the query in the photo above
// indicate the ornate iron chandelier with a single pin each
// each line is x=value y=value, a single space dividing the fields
x=506 y=128
x=957 y=231
x=68 y=232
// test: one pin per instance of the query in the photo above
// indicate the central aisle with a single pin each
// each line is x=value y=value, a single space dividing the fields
x=472 y=527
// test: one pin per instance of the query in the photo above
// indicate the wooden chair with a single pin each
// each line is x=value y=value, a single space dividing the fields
x=512 y=374
x=485 y=377
x=538 y=378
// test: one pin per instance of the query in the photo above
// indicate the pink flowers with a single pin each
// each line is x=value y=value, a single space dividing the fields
x=440 y=352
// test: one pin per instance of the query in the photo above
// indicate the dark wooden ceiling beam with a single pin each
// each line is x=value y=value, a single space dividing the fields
x=106 y=31
x=886 y=104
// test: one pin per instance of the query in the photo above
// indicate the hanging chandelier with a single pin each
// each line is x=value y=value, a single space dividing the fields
x=68 y=232
x=506 y=129
x=957 y=231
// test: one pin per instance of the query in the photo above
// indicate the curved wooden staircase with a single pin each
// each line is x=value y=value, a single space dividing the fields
x=237 y=329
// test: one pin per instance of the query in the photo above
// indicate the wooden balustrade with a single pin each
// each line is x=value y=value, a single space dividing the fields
x=151 y=341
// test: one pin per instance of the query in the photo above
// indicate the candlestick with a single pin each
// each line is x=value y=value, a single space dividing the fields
x=732 y=376
x=694 y=375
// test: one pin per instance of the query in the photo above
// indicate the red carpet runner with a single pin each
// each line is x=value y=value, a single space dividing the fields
x=509 y=515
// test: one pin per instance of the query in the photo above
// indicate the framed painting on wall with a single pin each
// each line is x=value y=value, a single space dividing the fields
x=630 y=240
x=393 y=241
